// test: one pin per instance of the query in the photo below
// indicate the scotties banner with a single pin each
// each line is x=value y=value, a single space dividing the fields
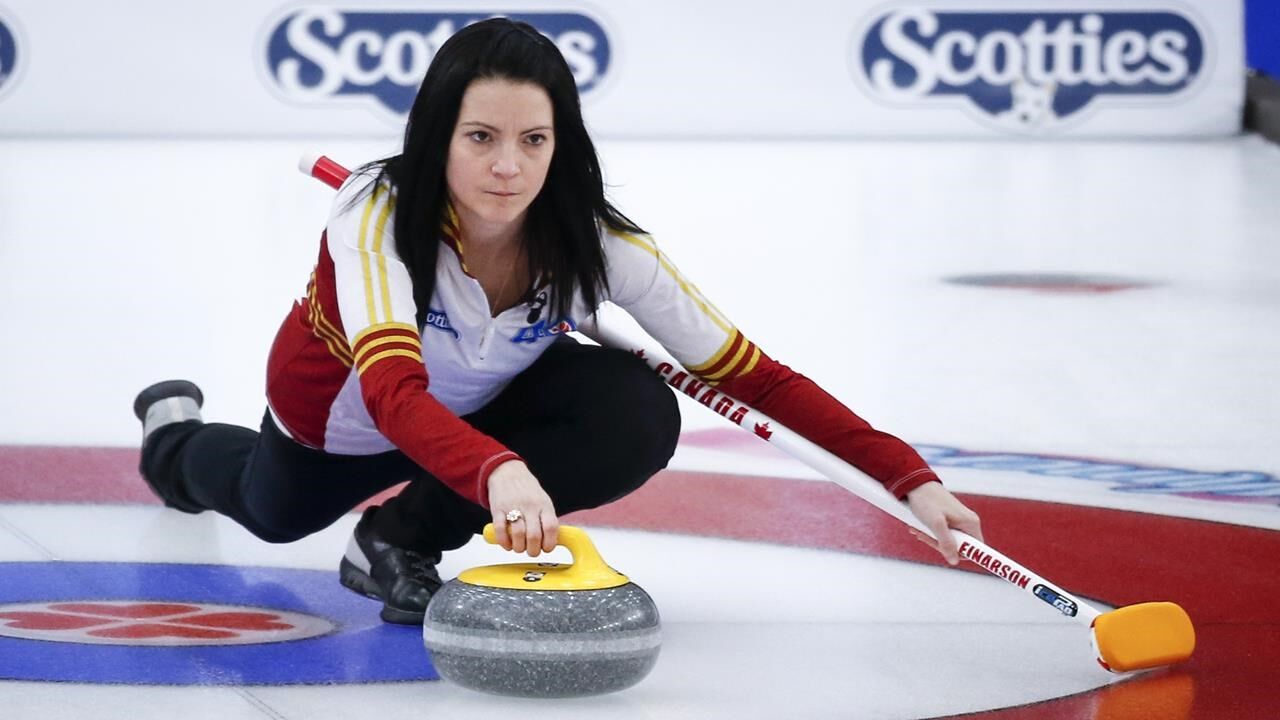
x=645 y=68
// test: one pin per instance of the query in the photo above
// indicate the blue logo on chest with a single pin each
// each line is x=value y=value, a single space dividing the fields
x=543 y=329
x=440 y=321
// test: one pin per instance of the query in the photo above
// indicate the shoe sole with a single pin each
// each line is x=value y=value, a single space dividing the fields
x=358 y=581
x=165 y=389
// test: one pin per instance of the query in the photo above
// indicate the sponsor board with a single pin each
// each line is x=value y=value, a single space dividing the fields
x=1030 y=71
x=333 y=55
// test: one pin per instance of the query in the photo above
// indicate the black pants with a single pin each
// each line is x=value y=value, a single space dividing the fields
x=593 y=424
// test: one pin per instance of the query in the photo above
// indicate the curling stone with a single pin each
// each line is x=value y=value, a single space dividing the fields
x=544 y=629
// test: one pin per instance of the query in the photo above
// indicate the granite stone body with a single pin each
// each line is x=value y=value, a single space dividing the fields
x=540 y=643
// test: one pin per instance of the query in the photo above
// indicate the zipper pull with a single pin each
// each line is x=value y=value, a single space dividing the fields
x=486 y=338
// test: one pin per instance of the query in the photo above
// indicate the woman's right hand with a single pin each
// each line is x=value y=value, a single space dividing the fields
x=513 y=487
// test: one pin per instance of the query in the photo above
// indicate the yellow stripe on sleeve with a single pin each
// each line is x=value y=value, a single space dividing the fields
x=755 y=358
x=728 y=372
x=729 y=366
x=386 y=354
x=378 y=231
x=715 y=358
x=365 y=348
x=683 y=284
x=402 y=327
x=364 y=255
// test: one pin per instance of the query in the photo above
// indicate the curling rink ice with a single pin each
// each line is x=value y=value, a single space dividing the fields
x=1117 y=434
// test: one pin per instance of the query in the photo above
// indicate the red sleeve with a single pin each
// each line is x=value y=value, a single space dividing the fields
x=393 y=383
x=798 y=403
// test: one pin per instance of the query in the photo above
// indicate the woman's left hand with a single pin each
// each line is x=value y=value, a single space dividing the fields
x=939 y=511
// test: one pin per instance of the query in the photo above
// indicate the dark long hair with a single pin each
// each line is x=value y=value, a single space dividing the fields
x=563 y=224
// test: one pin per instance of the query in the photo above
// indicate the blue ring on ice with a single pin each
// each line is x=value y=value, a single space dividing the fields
x=361 y=648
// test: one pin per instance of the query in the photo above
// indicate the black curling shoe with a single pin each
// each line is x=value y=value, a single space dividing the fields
x=403 y=580
x=145 y=403
x=160 y=405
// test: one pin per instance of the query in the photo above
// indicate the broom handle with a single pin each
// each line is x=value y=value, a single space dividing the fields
x=846 y=475
x=818 y=458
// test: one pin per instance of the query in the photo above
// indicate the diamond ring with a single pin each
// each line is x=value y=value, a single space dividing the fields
x=514 y=516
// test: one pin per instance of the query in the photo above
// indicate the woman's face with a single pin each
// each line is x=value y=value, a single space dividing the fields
x=500 y=151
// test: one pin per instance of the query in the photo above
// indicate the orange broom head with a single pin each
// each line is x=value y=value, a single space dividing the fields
x=1147 y=635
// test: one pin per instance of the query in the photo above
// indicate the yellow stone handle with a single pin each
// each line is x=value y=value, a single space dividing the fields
x=588 y=569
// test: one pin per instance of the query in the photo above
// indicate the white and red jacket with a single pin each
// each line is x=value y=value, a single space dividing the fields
x=350 y=373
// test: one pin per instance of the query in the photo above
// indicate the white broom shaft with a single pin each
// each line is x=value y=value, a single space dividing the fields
x=842 y=473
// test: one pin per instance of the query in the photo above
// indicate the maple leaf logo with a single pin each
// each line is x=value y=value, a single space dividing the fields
x=764 y=431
